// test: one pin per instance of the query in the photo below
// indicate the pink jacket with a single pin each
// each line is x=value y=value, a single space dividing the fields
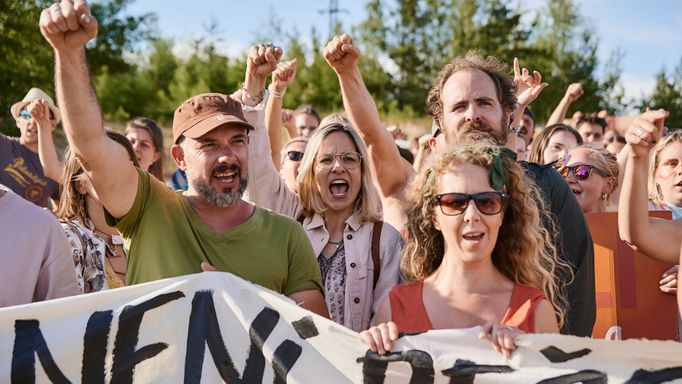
x=267 y=189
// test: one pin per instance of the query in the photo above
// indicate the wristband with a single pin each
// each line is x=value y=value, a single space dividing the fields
x=274 y=93
x=258 y=107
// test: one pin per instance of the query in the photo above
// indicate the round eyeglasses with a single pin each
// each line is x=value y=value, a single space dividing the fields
x=348 y=160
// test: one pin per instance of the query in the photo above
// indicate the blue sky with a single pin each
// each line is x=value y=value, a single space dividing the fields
x=648 y=32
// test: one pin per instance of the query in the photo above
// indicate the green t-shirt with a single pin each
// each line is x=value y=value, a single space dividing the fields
x=167 y=238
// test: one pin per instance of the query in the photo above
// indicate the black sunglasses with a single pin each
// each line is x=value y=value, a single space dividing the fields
x=488 y=203
x=295 y=155
x=581 y=171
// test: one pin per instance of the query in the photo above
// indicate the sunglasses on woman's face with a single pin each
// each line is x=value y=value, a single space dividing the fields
x=581 y=171
x=295 y=155
x=488 y=203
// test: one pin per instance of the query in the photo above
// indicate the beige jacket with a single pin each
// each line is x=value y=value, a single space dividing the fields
x=266 y=188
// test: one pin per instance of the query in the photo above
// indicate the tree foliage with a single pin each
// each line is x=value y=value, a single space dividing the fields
x=28 y=60
x=667 y=95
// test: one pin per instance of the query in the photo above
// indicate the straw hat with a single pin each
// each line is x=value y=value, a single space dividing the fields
x=33 y=95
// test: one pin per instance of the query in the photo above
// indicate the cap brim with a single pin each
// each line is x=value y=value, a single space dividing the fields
x=210 y=123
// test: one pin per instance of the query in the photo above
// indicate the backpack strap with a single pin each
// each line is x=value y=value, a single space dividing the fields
x=376 y=255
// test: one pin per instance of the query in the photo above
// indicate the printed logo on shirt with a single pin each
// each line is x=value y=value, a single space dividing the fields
x=34 y=185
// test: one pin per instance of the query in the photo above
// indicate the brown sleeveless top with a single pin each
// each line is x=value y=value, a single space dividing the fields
x=409 y=314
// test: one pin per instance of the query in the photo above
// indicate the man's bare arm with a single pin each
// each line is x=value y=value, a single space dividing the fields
x=392 y=171
x=68 y=27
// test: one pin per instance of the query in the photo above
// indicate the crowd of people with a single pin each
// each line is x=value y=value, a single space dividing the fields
x=337 y=218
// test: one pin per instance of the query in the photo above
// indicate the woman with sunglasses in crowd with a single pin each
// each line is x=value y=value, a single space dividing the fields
x=593 y=174
x=147 y=139
x=98 y=252
x=340 y=210
x=476 y=254
x=553 y=143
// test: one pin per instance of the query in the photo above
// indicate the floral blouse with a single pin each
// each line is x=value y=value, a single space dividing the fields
x=89 y=255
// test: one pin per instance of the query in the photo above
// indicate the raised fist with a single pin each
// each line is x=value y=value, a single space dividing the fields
x=68 y=25
x=284 y=75
x=574 y=91
x=645 y=132
x=41 y=114
x=341 y=54
x=263 y=59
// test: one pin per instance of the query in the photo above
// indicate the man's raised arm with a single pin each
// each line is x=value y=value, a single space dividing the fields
x=68 y=26
x=392 y=171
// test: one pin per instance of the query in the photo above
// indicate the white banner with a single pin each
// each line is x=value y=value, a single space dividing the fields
x=215 y=327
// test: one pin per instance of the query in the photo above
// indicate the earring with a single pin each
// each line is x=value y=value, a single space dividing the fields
x=604 y=196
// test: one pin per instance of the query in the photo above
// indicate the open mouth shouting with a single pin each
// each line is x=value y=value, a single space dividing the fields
x=339 y=188
x=226 y=174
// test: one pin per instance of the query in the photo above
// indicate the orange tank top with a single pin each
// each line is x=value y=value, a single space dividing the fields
x=409 y=314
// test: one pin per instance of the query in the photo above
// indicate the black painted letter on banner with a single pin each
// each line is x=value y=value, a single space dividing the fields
x=125 y=355
x=586 y=377
x=465 y=371
x=374 y=366
x=284 y=359
x=95 y=346
x=29 y=340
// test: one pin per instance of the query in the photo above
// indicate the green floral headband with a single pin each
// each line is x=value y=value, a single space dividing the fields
x=499 y=176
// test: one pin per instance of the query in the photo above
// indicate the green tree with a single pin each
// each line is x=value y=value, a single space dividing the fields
x=28 y=60
x=667 y=95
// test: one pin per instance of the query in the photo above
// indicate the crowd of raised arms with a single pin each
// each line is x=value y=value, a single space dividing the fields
x=480 y=223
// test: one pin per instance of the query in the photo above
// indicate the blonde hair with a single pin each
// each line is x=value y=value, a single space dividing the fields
x=655 y=193
x=606 y=161
x=72 y=201
x=367 y=204
x=524 y=252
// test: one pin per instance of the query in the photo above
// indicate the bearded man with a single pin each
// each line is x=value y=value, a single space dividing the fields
x=171 y=233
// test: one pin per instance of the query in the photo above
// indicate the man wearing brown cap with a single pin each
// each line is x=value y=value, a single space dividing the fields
x=172 y=233
x=28 y=164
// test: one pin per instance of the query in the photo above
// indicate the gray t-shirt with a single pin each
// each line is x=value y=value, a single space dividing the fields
x=20 y=171
x=35 y=255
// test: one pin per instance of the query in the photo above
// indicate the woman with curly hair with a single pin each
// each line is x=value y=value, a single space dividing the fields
x=477 y=254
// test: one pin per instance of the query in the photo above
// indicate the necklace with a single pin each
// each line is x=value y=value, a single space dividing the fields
x=335 y=242
x=111 y=241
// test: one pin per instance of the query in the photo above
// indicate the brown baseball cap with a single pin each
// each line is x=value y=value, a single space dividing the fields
x=203 y=113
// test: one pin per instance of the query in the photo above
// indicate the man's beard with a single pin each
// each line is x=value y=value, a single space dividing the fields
x=213 y=196
x=478 y=131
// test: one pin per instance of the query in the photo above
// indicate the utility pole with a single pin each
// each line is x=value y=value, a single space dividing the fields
x=333 y=12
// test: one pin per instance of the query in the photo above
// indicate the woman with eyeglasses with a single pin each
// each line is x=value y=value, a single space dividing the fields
x=340 y=210
x=476 y=254
x=553 y=144
x=593 y=174
x=98 y=253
